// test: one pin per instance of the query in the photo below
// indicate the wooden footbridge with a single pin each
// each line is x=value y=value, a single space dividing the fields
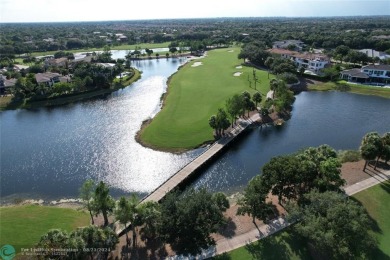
x=191 y=168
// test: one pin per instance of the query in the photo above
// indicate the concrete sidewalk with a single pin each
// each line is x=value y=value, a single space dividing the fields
x=229 y=244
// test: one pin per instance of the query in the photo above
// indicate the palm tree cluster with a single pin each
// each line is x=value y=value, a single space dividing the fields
x=375 y=147
x=234 y=107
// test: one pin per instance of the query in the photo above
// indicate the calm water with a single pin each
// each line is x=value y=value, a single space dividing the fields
x=48 y=153
x=334 y=118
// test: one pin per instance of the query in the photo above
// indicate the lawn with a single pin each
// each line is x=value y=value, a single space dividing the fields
x=283 y=245
x=22 y=226
x=376 y=200
x=287 y=245
x=195 y=94
x=358 y=89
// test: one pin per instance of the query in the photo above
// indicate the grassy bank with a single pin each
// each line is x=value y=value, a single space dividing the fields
x=287 y=245
x=376 y=200
x=6 y=104
x=194 y=94
x=282 y=246
x=22 y=226
x=353 y=88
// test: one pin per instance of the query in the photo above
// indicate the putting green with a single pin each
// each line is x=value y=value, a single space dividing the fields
x=195 y=93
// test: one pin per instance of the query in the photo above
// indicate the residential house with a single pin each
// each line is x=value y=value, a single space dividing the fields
x=375 y=54
x=60 y=62
x=313 y=62
x=6 y=84
x=48 y=78
x=287 y=44
x=375 y=74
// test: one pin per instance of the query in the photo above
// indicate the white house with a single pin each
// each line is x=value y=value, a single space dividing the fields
x=285 y=44
x=314 y=62
x=375 y=54
x=368 y=74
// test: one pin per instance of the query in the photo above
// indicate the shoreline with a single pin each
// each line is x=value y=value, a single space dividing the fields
x=69 y=99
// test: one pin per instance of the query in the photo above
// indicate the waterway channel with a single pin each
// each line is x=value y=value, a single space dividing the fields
x=49 y=152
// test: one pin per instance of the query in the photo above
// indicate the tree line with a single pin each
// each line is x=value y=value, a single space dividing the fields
x=182 y=220
x=327 y=33
x=309 y=185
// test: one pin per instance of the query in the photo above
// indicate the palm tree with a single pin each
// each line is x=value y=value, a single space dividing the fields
x=257 y=98
x=86 y=194
x=103 y=202
x=371 y=148
x=123 y=213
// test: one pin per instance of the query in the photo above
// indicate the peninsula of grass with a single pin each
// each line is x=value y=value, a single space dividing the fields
x=6 y=103
x=23 y=226
x=194 y=94
x=353 y=88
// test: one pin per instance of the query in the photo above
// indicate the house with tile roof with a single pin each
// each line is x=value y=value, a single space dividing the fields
x=313 y=62
x=48 y=78
x=376 y=74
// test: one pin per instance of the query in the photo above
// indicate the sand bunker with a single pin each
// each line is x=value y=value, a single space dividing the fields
x=196 y=64
x=231 y=51
x=237 y=74
x=239 y=67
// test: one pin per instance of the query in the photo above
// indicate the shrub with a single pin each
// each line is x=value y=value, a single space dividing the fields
x=289 y=78
x=349 y=156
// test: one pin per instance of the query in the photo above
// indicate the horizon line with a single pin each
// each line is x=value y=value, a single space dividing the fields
x=203 y=18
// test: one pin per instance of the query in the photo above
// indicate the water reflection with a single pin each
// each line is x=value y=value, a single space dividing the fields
x=334 y=118
x=50 y=152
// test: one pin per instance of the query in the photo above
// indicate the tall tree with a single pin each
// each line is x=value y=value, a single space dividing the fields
x=257 y=98
x=371 y=147
x=86 y=194
x=187 y=221
x=102 y=201
x=254 y=201
x=336 y=226
x=385 y=155
x=150 y=216
x=281 y=174
x=123 y=213
x=234 y=107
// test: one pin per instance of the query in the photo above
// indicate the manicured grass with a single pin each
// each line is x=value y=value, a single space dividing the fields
x=120 y=47
x=283 y=245
x=376 y=200
x=196 y=93
x=22 y=226
x=358 y=89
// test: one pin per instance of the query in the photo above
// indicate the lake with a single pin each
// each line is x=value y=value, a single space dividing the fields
x=49 y=152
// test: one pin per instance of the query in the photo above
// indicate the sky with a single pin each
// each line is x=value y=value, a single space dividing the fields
x=97 y=10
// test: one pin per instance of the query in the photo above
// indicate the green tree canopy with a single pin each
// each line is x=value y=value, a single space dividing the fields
x=187 y=220
x=336 y=226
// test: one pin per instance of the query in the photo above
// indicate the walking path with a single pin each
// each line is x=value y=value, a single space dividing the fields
x=229 y=244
